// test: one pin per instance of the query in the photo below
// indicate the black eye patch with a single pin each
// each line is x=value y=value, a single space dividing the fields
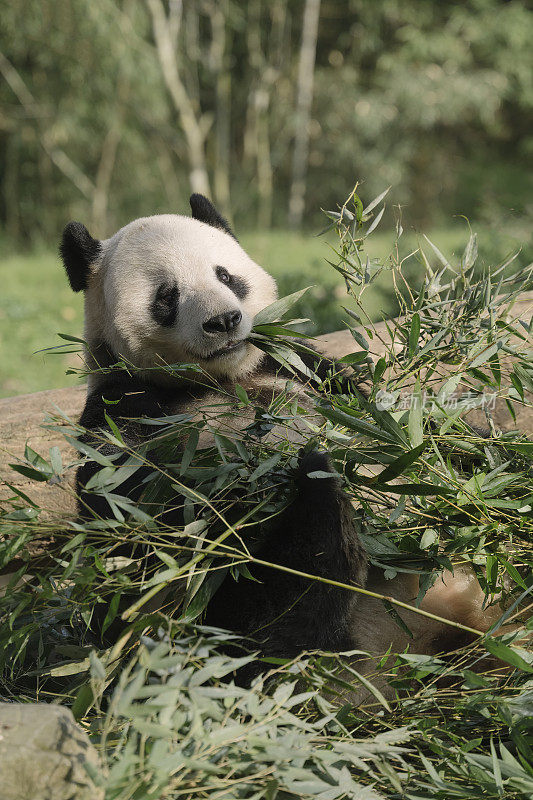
x=164 y=308
x=238 y=285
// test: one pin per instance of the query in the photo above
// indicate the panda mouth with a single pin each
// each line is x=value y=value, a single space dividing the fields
x=231 y=347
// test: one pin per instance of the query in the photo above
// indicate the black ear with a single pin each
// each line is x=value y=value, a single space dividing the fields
x=78 y=250
x=204 y=210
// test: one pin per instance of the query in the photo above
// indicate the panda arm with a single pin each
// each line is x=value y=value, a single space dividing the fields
x=128 y=399
x=316 y=535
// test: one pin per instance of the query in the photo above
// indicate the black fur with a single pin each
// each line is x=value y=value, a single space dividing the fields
x=287 y=613
x=100 y=356
x=164 y=306
x=131 y=398
x=238 y=285
x=204 y=211
x=78 y=250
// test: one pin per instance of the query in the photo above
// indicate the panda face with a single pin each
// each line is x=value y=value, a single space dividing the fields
x=170 y=289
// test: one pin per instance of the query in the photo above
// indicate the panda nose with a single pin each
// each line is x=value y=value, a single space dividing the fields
x=222 y=323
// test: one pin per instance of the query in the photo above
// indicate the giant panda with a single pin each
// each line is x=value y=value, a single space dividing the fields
x=169 y=289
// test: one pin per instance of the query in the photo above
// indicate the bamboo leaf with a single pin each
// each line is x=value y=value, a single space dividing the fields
x=416 y=417
x=508 y=654
x=414 y=335
x=277 y=310
x=376 y=201
x=399 y=465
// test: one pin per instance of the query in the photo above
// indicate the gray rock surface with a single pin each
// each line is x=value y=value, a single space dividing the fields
x=21 y=421
x=43 y=753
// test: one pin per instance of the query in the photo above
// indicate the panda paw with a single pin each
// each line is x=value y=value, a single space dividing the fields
x=314 y=461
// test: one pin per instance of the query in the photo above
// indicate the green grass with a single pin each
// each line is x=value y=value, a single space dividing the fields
x=36 y=302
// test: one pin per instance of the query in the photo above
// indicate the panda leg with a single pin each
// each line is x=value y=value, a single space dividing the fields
x=287 y=613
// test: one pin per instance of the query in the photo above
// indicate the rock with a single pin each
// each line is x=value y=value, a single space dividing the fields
x=43 y=753
x=21 y=421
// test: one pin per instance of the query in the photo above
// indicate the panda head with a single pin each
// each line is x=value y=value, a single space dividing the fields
x=170 y=289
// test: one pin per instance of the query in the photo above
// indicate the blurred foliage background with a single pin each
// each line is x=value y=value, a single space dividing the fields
x=274 y=108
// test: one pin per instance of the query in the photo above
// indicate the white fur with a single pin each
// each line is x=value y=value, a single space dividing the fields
x=160 y=249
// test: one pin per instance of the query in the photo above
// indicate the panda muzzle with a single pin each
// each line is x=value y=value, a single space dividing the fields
x=222 y=323
x=230 y=347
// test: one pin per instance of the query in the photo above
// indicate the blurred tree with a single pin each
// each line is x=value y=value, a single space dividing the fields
x=304 y=99
x=266 y=64
x=422 y=95
x=219 y=63
x=195 y=125
x=76 y=141
x=112 y=108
